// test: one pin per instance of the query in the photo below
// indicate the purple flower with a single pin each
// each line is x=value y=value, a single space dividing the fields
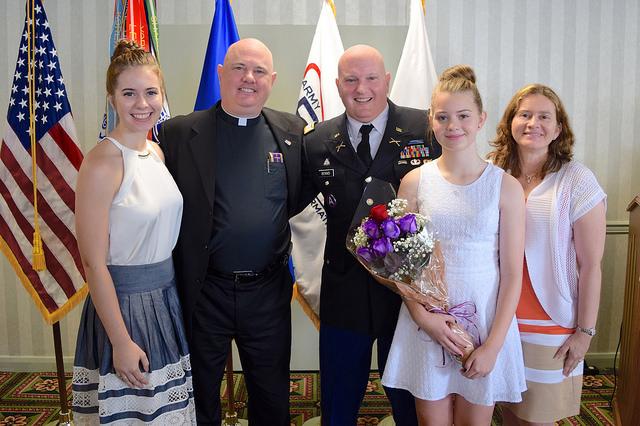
x=365 y=253
x=370 y=228
x=382 y=246
x=407 y=223
x=390 y=229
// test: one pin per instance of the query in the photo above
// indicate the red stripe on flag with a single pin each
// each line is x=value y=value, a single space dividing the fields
x=58 y=181
x=66 y=144
x=46 y=213
x=12 y=242
x=53 y=266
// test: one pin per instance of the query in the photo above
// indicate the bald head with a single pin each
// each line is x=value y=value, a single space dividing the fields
x=246 y=77
x=363 y=82
x=246 y=45
x=362 y=52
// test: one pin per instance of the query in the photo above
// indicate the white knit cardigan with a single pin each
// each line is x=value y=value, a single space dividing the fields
x=553 y=207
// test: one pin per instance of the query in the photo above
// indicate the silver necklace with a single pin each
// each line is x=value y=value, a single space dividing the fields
x=530 y=178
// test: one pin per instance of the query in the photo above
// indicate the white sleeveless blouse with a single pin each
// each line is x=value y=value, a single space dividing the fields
x=145 y=214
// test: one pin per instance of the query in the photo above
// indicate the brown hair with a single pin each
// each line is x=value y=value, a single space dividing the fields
x=127 y=54
x=505 y=153
x=455 y=79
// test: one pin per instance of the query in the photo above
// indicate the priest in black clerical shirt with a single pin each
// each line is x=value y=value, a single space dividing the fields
x=237 y=165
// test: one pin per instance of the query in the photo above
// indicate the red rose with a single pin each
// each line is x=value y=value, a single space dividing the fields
x=379 y=213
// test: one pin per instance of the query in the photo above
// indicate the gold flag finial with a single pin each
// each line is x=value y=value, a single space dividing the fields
x=333 y=6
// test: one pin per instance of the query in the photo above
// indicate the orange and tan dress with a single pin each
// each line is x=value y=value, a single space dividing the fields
x=550 y=395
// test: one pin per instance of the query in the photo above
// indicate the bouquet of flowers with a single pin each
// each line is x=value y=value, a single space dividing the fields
x=400 y=251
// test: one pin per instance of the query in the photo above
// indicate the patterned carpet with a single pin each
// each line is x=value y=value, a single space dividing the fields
x=32 y=399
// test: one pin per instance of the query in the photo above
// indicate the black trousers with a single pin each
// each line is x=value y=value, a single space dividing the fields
x=258 y=316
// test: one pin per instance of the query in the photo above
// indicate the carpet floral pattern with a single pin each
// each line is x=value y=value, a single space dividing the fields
x=28 y=399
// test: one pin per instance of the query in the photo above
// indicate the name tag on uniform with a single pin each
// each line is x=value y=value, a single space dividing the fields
x=326 y=173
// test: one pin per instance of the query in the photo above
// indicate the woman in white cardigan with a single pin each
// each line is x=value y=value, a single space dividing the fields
x=565 y=233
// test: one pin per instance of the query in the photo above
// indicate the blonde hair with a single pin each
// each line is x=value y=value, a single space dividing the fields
x=505 y=153
x=127 y=54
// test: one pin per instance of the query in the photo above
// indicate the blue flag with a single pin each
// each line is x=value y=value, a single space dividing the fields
x=223 y=34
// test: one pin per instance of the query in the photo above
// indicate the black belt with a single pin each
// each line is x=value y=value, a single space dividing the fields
x=250 y=276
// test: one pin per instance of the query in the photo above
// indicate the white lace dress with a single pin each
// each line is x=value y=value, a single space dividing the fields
x=466 y=219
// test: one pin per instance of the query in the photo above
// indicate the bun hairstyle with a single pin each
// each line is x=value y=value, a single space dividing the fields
x=127 y=54
x=456 y=79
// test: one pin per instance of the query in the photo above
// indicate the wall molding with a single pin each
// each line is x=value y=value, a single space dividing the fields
x=617 y=227
x=33 y=363
x=601 y=360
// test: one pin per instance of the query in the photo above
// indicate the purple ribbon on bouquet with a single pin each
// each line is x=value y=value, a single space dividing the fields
x=465 y=315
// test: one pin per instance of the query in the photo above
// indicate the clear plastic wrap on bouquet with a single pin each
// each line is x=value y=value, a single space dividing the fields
x=400 y=251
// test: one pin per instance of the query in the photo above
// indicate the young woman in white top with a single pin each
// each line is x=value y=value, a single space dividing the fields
x=564 y=243
x=132 y=361
x=478 y=213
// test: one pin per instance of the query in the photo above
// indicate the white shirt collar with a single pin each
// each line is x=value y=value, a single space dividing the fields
x=379 y=124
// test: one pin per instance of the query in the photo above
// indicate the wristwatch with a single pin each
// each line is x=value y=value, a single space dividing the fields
x=590 y=331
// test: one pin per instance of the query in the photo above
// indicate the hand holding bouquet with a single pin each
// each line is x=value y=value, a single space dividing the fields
x=400 y=251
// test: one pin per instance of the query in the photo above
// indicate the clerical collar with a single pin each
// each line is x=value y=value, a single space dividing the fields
x=237 y=121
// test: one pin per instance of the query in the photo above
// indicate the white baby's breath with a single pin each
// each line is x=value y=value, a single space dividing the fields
x=397 y=207
x=360 y=238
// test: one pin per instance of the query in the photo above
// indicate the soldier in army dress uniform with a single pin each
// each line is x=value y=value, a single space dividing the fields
x=373 y=138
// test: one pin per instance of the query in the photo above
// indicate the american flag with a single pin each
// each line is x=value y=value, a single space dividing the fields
x=61 y=285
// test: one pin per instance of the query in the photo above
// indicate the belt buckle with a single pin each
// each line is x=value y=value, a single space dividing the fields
x=238 y=275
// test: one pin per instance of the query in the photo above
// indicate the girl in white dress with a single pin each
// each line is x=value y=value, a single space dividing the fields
x=478 y=213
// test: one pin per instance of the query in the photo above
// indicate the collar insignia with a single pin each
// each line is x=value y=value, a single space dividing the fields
x=287 y=142
x=395 y=141
x=340 y=146
x=399 y=130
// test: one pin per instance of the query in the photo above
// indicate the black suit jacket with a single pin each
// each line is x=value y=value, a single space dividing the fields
x=188 y=143
x=350 y=298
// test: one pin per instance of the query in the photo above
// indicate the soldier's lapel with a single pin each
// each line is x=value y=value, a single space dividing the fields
x=339 y=146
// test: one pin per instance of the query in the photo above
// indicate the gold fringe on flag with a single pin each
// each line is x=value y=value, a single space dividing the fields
x=306 y=308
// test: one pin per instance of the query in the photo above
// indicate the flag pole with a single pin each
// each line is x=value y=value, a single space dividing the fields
x=64 y=419
x=231 y=416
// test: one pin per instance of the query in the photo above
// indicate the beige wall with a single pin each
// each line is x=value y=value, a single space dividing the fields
x=588 y=50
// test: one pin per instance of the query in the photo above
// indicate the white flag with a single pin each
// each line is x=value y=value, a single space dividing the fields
x=318 y=101
x=416 y=76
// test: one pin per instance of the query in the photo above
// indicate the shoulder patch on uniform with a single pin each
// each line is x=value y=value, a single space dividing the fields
x=309 y=127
